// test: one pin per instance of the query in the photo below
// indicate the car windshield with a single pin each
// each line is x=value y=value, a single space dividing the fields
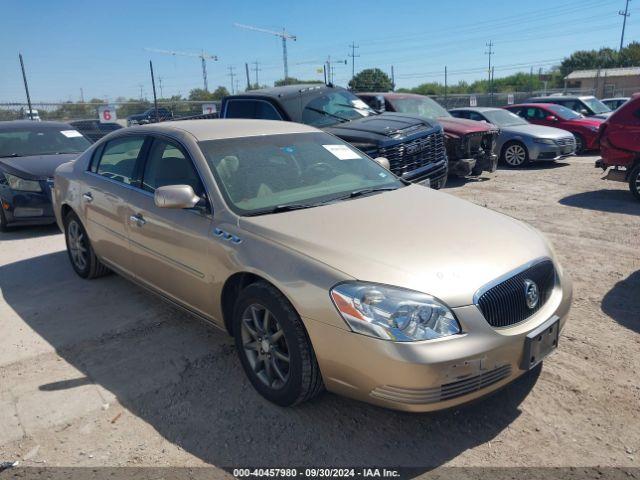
x=596 y=105
x=564 y=112
x=504 y=118
x=334 y=107
x=39 y=140
x=273 y=173
x=422 y=106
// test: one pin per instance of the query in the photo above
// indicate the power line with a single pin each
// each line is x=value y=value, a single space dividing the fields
x=625 y=14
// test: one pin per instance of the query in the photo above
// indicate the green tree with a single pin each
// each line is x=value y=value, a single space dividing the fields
x=371 y=80
x=630 y=55
x=219 y=93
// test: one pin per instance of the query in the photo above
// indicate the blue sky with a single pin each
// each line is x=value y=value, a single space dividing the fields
x=100 y=46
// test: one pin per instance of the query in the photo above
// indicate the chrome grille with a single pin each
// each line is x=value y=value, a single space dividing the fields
x=408 y=156
x=447 y=391
x=566 y=141
x=505 y=304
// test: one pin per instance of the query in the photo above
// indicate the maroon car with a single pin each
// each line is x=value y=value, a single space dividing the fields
x=470 y=144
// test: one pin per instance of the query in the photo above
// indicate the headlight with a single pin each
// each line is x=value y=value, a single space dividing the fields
x=17 y=183
x=546 y=141
x=393 y=313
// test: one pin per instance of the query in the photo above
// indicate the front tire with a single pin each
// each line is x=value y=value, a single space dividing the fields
x=634 y=181
x=83 y=258
x=515 y=155
x=273 y=346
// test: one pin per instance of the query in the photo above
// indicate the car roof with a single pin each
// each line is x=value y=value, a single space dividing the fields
x=551 y=98
x=12 y=124
x=615 y=98
x=219 y=129
x=286 y=91
x=530 y=104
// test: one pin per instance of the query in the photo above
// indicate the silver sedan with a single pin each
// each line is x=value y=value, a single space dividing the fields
x=519 y=141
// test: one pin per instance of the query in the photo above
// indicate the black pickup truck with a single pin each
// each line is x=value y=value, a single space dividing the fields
x=414 y=146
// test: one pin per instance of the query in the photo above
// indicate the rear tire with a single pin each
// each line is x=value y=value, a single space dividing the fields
x=3 y=221
x=273 y=346
x=515 y=155
x=579 y=143
x=83 y=258
x=634 y=181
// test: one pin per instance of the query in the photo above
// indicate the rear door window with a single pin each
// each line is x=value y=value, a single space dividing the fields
x=118 y=159
x=258 y=109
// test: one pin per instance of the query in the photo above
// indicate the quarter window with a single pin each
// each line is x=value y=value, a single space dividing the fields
x=119 y=157
x=251 y=109
x=168 y=165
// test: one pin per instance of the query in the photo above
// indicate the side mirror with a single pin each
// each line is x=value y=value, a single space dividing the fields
x=584 y=112
x=378 y=103
x=175 y=196
x=383 y=162
x=551 y=118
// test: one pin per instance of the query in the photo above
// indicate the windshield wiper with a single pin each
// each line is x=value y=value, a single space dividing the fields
x=367 y=191
x=317 y=110
x=367 y=109
x=284 y=208
x=11 y=155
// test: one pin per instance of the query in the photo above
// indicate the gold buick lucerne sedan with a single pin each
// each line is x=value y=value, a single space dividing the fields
x=328 y=270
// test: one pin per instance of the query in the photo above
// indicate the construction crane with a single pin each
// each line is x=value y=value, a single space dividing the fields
x=283 y=35
x=202 y=56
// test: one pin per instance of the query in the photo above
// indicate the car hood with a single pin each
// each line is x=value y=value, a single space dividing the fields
x=36 y=166
x=384 y=124
x=413 y=237
x=463 y=126
x=586 y=121
x=536 y=131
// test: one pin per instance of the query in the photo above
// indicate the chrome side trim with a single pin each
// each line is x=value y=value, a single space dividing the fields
x=508 y=275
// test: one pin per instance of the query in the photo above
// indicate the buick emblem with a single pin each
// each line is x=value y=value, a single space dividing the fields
x=531 y=294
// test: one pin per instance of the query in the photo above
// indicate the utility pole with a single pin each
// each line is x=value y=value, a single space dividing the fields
x=393 y=79
x=160 y=86
x=246 y=67
x=490 y=52
x=625 y=14
x=26 y=86
x=283 y=35
x=81 y=95
x=153 y=85
x=232 y=75
x=353 y=58
x=256 y=69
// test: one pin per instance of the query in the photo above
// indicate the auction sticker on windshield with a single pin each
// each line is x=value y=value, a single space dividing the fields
x=71 y=133
x=342 y=152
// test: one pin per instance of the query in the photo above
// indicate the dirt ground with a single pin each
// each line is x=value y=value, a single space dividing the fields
x=102 y=373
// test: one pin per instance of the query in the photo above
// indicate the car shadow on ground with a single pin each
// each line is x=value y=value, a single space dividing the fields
x=18 y=233
x=622 y=302
x=454 y=181
x=184 y=379
x=537 y=165
x=613 y=201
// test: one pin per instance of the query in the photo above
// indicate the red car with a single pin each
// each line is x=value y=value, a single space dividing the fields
x=584 y=129
x=620 y=145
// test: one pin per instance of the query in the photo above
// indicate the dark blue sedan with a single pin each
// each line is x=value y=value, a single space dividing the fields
x=29 y=154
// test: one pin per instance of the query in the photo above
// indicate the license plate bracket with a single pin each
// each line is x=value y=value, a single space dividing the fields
x=540 y=342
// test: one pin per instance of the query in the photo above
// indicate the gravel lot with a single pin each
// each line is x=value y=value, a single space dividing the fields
x=102 y=373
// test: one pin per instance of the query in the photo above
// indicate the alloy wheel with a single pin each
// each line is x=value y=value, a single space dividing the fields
x=77 y=245
x=515 y=155
x=265 y=346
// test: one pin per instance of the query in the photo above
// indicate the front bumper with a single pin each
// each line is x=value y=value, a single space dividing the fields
x=27 y=208
x=539 y=151
x=431 y=375
x=436 y=173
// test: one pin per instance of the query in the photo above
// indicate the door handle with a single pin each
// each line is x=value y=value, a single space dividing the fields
x=138 y=219
x=87 y=197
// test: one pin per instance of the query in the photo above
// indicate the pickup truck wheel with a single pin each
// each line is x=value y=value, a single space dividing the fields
x=634 y=181
x=515 y=155
x=273 y=346
x=83 y=258
x=579 y=143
